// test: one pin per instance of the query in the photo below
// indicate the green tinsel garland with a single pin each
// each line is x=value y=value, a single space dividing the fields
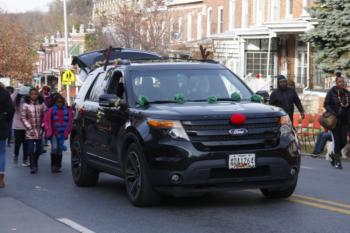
x=180 y=98
x=212 y=99
x=143 y=100
x=235 y=96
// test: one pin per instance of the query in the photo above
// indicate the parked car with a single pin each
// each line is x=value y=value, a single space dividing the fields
x=172 y=128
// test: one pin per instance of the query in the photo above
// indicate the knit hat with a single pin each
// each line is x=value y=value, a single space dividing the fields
x=23 y=90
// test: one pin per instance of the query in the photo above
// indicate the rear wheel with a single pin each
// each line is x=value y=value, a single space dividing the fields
x=138 y=186
x=83 y=174
x=283 y=192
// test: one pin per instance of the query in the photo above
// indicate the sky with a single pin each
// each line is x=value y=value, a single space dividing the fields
x=24 y=5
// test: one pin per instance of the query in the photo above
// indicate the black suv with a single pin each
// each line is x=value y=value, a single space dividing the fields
x=174 y=128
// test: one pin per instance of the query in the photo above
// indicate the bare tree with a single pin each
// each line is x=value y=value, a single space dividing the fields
x=143 y=26
x=16 y=54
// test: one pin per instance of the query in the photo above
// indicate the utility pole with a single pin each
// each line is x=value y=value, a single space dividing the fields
x=66 y=46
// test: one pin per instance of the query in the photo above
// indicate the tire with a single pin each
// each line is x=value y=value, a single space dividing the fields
x=83 y=174
x=279 y=193
x=138 y=186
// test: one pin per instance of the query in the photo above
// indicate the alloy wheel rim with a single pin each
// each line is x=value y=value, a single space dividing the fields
x=133 y=175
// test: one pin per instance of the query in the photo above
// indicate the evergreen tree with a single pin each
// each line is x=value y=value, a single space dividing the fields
x=331 y=35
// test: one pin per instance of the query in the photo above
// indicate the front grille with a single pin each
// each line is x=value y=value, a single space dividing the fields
x=222 y=173
x=213 y=135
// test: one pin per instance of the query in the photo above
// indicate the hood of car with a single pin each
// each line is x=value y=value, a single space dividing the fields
x=210 y=111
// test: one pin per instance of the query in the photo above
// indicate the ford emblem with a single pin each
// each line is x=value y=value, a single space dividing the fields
x=238 y=132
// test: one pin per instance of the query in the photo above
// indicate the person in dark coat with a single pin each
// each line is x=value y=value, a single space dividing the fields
x=10 y=90
x=337 y=102
x=6 y=113
x=286 y=97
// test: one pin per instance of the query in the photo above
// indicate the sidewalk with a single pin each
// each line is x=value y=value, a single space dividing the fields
x=15 y=216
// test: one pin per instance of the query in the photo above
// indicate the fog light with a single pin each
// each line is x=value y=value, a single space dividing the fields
x=293 y=171
x=176 y=178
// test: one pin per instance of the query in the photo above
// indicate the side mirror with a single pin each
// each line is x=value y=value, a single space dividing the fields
x=108 y=100
x=264 y=94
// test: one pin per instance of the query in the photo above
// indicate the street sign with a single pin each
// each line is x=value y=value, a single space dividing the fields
x=68 y=77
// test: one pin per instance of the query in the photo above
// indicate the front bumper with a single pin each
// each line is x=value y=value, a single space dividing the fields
x=208 y=171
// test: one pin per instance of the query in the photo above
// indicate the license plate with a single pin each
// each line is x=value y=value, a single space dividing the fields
x=241 y=161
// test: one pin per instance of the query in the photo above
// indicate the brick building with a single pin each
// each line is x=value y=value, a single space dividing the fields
x=50 y=58
x=255 y=38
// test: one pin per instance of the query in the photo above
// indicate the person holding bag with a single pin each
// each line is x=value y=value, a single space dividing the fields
x=58 y=125
x=337 y=103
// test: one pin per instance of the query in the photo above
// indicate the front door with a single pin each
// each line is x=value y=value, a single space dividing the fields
x=111 y=119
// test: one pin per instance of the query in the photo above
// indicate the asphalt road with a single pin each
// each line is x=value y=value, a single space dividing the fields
x=321 y=204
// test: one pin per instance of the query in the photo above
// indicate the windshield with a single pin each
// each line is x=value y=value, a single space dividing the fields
x=194 y=85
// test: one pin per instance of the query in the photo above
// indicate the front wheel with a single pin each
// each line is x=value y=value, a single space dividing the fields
x=277 y=193
x=138 y=186
x=83 y=174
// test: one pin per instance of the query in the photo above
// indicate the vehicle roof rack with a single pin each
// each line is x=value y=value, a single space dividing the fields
x=173 y=59
x=151 y=60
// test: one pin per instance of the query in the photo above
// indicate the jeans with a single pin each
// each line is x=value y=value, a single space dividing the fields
x=322 y=139
x=2 y=155
x=34 y=147
x=20 y=140
x=55 y=146
x=10 y=133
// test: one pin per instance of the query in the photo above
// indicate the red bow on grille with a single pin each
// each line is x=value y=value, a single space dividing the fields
x=238 y=119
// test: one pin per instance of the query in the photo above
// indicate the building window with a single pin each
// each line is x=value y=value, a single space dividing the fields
x=171 y=28
x=180 y=28
x=220 y=19
x=245 y=13
x=259 y=9
x=232 y=14
x=257 y=58
x=275 y=9
x=189 y=27
x=209 y=22
x=199 y=26
x=289 y=8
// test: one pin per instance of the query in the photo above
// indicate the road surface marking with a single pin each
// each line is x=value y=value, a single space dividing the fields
x=74 y=225
x=317 y=203
x=306 y=167
x=322 y=201
x=320 y=206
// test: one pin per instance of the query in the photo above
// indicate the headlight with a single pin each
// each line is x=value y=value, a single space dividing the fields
x=173 y=128
x=286 y=125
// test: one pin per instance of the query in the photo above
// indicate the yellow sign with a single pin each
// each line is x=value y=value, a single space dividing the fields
x=68 y=77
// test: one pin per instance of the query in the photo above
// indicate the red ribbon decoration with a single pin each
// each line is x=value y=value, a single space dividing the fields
x=238 y=119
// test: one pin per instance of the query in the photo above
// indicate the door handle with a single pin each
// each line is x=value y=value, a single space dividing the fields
x=100 y=114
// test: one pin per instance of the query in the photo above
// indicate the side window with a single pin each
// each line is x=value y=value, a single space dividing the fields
x=116 y=84
x=99 y=87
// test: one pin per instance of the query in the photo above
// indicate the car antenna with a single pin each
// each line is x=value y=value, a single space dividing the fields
x=107 y=54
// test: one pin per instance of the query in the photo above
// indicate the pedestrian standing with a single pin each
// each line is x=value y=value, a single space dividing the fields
x=18 y=99
x=337 y=103
x=6 y=114
x=58 y=125
x=46 y=93
x=10 y=90
x=32 y=116
x=286 y=97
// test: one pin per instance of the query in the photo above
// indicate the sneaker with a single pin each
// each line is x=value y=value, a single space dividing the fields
x=338 y=166
x=26 y=163
x=315 y=155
